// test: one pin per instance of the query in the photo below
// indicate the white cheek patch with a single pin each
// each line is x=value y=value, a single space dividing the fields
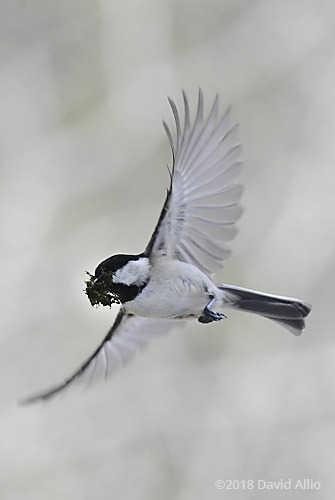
x=135 y=272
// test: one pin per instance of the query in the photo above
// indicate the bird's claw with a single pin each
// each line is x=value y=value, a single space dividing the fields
x=208 y=316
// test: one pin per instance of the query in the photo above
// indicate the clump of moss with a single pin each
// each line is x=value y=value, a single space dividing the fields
x=99 y=290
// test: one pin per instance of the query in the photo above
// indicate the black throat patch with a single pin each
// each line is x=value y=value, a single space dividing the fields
x=127 y=292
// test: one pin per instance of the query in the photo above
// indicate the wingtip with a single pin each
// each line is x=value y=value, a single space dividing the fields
x=44 y=396
x=27 y=401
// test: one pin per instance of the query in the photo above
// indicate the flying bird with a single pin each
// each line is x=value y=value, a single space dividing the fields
x=171 y=281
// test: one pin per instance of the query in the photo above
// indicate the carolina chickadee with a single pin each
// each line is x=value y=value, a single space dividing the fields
x=171 y=281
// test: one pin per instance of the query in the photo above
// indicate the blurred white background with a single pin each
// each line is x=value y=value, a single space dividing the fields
x=83 y=88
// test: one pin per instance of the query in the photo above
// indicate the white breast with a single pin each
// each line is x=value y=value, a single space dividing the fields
x=175 y=290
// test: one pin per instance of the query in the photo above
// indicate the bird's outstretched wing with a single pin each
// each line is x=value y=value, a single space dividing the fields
x=202 y=203
x=128 y=334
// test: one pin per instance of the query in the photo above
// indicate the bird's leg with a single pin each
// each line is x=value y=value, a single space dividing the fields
x=208 y=315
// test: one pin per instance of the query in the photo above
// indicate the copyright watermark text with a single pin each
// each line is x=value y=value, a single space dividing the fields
x=262 y=484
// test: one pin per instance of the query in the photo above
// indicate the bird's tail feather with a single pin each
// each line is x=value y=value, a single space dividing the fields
x=286 y=311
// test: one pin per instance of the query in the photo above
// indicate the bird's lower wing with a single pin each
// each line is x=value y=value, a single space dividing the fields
x=128 y=334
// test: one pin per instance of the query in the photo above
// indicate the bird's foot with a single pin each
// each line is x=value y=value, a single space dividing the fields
x=208 y=316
